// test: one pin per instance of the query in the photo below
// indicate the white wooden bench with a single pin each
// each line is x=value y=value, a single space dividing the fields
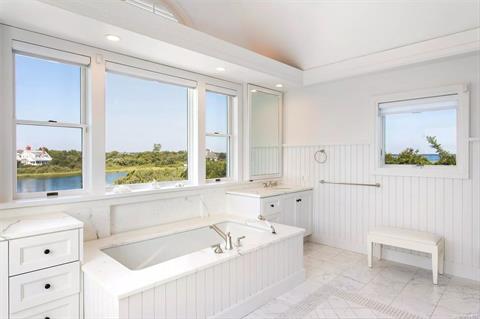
x=409 y=239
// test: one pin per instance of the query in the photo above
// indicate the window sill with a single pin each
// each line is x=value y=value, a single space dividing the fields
x=422 y=171
x=114 y=198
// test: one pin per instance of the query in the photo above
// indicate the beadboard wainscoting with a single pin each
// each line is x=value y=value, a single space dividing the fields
x=343 y=214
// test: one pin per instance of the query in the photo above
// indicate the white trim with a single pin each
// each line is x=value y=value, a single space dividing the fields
x=48 y=53
x=221 y=90
x=149 y=75
x=461 y=170
x=450 y=45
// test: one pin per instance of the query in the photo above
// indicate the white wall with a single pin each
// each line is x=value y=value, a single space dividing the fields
x=338 y=117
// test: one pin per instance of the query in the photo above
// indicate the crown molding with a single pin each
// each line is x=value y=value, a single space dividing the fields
x=442 y=47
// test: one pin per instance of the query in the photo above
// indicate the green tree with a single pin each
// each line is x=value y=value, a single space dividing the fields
x=446 y=158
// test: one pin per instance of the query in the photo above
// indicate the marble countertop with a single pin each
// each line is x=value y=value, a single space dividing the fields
x=122 y=282
x=262 y=192
x=24 y=226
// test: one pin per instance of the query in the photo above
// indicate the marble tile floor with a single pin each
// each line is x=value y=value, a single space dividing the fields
x=340 y=285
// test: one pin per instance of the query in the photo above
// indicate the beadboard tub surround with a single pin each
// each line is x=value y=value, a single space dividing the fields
x=197 y=285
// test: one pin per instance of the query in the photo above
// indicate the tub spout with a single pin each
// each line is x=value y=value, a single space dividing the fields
x=226 y=236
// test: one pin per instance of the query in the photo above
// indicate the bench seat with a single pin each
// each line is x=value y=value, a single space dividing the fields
x=409 y=239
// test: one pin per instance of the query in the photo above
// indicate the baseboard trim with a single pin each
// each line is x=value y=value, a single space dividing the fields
x=262 y=297
x=404 y=257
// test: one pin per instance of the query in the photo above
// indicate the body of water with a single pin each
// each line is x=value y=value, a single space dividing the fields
x=28 y=185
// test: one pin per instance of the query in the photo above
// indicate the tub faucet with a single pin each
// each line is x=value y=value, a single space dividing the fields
x=226 y=236
x=263 y=219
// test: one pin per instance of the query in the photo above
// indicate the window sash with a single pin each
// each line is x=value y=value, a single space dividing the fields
x=434 y=103
x=67 y=58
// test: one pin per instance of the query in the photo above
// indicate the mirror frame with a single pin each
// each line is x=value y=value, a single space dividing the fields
x=249 y=137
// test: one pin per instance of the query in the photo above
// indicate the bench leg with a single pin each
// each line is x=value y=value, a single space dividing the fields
x=441 y=258
x=379 y=251
x=435 y=265
x=370 y=253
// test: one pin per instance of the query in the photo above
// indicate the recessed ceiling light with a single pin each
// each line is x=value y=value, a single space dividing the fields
x=253 y=91
x=112 y=37
x=279 y=85
x=220 y=69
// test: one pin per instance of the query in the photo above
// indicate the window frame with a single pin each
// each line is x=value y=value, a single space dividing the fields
x=231 y=99
x=460 y=170
x=95 y=60
x=65 y=58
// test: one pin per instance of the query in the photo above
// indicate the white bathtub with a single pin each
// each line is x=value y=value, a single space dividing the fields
x=170 y=271
x=146 y=253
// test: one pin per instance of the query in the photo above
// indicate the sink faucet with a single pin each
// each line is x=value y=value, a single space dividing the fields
x=263 y=219
x=270 y=184
x=226 y=236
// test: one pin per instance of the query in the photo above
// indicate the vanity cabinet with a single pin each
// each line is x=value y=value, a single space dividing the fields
x=40 y=267
x=294 y=208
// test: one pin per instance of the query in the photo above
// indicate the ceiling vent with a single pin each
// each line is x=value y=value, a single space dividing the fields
x=155 y=7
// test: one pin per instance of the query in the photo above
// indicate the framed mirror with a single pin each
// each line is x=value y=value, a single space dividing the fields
x=265 y=133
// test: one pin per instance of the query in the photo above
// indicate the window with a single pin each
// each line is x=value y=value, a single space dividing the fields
x=146 y=130
x=423 y=131
x=50 y=125
x=218 y=135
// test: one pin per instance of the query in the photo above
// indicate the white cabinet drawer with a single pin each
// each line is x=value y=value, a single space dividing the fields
x=37 y=252
x=42 y=286
x=271 y=206
x=65 y=308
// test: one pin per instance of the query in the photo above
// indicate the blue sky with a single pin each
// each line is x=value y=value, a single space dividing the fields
x=411 y=129
x=139 y=113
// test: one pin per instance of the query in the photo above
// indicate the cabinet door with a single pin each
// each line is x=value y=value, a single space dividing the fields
x=288 y=211
x=303 y=211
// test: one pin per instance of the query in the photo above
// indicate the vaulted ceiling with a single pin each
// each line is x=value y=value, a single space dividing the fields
x=312 y=33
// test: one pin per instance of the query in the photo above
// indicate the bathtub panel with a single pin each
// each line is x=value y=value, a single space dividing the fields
x=148 y=304
x=191 y=308
x=233 y=274
x=217 y=300
x=209 y=291
x=160 y=302
x=182 y=298
x=225 y=285
x=219 y=289
x=171 y=300
x=201 y=296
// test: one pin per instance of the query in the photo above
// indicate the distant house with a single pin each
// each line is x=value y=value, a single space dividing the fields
x=28 y=156
x=157 y=147
x=211 y=155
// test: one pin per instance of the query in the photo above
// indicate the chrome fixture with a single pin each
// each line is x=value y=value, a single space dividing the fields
x=239 y=241
x=217 y=249
x=270 y=184
x=263 y=219
x=354 y=184
x=226 y=236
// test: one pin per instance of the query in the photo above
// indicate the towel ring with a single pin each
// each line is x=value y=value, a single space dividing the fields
x=320 y=157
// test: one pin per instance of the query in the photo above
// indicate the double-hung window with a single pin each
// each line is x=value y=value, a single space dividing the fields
x=50 y=123
x=218 y=139
x=423 y=133
x=147 y=126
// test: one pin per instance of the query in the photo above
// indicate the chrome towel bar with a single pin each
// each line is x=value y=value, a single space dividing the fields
x=355 y=184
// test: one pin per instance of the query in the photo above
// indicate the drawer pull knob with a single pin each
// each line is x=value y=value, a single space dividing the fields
x=299 y=200
x=47 y=286
x=46 y=251
x=47 y=317
x=271 y=205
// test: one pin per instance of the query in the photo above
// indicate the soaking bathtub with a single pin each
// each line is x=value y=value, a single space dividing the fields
x=171 y=271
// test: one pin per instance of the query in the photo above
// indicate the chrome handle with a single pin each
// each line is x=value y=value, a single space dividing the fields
x=217 y=249
x=239 y=243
